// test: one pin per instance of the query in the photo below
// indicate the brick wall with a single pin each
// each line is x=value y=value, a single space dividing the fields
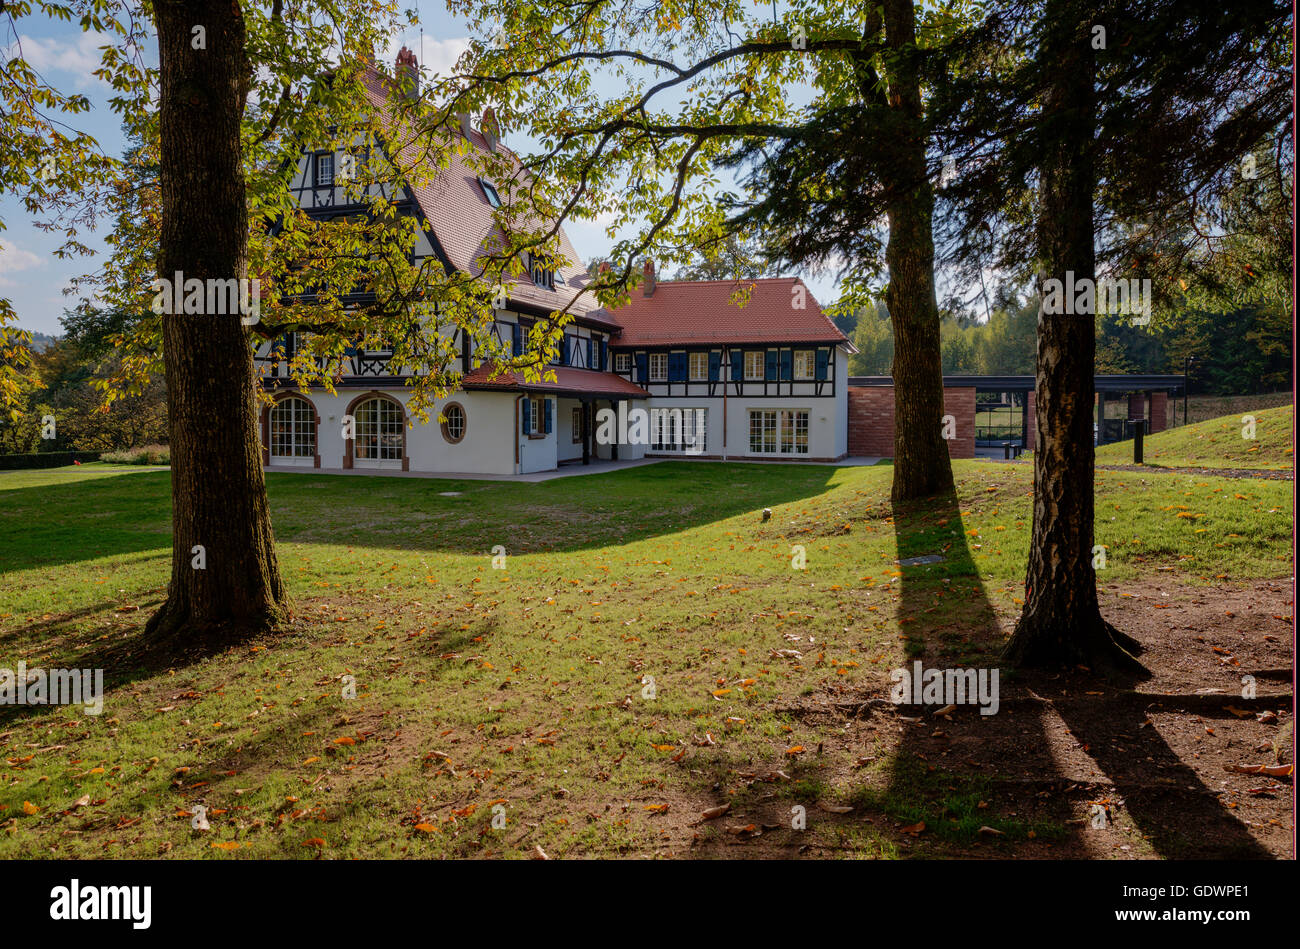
x=960 y=404
x=1159 y=411
x=871 y=421
x=1031 y=431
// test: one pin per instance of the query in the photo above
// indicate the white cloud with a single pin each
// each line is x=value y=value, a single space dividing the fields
x=78 y=57
x=14 y=259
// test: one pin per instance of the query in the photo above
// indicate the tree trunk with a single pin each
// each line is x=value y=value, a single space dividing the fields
x=1061 y=624
x=921 y=464
x=225 y=580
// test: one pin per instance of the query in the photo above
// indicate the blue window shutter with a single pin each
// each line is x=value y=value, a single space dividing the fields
x=591 y=363
x=787 y=364
x=517 y=339
x=564 y=350
x=600 y=354
x=676 y=367
x=527 y=416
x=715 y=364
x=642 y=367
x=546 y=416
x=737 y=365
x=773 y=363
x=823 y=358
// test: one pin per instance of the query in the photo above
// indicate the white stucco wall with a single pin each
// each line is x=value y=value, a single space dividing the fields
x=488 y=446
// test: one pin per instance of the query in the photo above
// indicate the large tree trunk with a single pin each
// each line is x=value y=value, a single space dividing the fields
x=218 y=492
x=921 y=464
x=1061 y=624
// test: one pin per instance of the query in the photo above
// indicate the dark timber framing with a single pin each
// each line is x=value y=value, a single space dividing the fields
x=732 y=355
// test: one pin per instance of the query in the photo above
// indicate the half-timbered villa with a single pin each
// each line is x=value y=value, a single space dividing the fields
x=767 y=380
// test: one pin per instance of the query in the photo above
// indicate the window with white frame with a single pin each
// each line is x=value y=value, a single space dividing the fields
x=778 y=431
x=622 y=362
x=754 y=363
x=293 y=429
x=658 y=367
x=699 y=367
x=380 y=432
x=453 y=422
x=577 y=424
x=535 y=418
x=325 y=170
x=676 y=429
x=804 y=364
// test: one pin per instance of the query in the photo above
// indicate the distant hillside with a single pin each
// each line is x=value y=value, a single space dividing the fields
x=42 y=341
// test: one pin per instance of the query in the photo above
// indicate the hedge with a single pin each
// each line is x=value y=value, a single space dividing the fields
x=46 y=459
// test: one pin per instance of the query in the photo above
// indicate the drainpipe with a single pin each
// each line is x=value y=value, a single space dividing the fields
x=726 y=359
x=518 y=426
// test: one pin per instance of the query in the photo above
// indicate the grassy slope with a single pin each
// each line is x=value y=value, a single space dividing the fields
x=522 y=686
x=1218 y=443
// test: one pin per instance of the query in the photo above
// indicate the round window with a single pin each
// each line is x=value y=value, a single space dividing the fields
x=453 y=422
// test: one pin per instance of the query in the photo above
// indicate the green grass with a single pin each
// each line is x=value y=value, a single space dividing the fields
x=1218 y=443
x=524 y=687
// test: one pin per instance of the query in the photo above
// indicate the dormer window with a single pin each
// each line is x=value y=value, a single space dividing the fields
x=542 y=275
x=325 y=170
x=490 y=192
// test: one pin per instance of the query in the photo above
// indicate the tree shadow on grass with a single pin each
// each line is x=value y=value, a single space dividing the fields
x=1050 y=752
x=80 y=521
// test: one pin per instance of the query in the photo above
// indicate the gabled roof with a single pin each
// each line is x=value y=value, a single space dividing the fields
x=457 y=210
x=698 y=312
x=568 y=381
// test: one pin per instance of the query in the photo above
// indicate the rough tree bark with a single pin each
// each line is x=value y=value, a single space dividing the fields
x=922 y=467
x=1061 y=624
x=218 y=491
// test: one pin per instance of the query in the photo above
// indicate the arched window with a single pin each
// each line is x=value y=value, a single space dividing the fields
x=453 y=422
x=380 y=430
x=293 y=430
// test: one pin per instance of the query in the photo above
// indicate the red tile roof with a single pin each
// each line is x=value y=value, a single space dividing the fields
x=568 y=381
x=702 y=312
x=455 y=207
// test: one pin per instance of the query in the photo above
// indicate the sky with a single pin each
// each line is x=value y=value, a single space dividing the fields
x=34 y=279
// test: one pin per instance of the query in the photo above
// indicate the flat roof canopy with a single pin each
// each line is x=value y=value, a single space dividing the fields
x=1103 y=383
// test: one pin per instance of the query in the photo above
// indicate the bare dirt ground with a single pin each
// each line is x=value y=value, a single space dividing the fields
x=1143 y=772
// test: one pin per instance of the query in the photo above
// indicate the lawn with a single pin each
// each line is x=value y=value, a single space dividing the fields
x=1219 y=443
x=622 y=673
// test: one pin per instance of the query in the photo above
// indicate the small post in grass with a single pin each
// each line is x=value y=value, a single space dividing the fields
x=1139 y=425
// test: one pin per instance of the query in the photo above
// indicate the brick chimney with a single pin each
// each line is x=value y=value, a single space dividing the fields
x=490 y=128
x=408 y=73
x=648 y=271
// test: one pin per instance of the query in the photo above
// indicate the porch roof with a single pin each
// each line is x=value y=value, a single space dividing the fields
x=568 y=381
